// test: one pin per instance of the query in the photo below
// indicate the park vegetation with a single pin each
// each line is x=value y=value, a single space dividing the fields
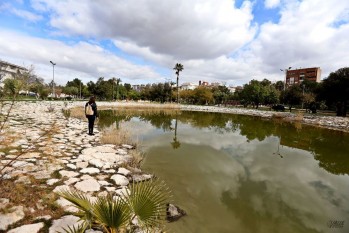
x=331 y=94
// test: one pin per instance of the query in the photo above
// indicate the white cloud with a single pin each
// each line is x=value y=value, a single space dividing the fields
x=183 y=29
x=271 y=3
x=212 y=39
x=78 y=60
x=26 y=15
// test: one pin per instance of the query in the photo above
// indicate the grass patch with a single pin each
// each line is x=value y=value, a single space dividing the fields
x=34 y=196
x=117 y=137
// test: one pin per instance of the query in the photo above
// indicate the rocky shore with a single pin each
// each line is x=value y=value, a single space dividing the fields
x=330 y=122
x=41 y=149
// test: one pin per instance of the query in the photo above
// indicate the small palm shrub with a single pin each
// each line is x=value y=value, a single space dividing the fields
x=144 y=203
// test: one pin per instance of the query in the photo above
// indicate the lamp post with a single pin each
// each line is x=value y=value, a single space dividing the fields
x=285 y=75
x=53 y=78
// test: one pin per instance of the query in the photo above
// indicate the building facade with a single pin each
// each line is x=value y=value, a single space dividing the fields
x=297 y=76
x=8 y=70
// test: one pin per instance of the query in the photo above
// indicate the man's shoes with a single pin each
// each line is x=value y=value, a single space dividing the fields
x=91 y=134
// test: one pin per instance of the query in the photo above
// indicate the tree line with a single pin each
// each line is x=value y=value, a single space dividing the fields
x=332 y=93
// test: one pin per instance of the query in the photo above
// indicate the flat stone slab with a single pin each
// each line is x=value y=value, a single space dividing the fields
x=64 y=222
x=15 y=214
x=90 y=170
x=68 y=173
x=89 y=185
x=120 y=180
x=123 y=171
x=32 y=228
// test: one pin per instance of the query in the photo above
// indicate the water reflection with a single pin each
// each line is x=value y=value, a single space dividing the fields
x=330 y=148
x=245 y=174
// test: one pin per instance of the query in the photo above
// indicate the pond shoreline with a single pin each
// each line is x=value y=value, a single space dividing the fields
x=328 y=122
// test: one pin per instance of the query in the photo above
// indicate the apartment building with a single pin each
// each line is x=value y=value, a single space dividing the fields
x=297 y=76
x=8 y=70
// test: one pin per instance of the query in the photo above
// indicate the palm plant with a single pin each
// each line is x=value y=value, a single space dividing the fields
x=178 y=67
x=144 y=201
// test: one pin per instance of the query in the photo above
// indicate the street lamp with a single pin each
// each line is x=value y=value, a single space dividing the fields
x=53 y=78
x=285 y=75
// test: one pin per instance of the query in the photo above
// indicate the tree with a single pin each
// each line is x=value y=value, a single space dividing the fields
x=292 y=96
x=335 y=91
x=203 y=95
x=254 y=93
x=178 y=67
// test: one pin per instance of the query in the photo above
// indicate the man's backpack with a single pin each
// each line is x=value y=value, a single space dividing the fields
x=89 y=110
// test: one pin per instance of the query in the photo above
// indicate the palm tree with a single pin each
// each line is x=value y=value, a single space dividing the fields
x=178 y=67
x=175 y=144
x=145 y=202
x=117 y=88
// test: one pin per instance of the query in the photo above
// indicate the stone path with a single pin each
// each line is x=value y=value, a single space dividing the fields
x=60 y=154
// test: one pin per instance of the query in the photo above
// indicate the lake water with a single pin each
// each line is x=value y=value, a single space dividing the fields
x=241 y=174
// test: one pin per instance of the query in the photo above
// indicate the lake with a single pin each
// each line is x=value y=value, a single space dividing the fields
x=234 y=173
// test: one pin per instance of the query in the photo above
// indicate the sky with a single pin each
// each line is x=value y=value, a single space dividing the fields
x=140 y=41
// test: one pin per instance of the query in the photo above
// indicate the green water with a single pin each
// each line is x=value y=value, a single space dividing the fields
x=244 y=174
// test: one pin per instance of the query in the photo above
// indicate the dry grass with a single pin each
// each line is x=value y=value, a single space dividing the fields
x=34 y=196
x=137 y=158
x=117 y=137
x=76 y=112
x=299 y=116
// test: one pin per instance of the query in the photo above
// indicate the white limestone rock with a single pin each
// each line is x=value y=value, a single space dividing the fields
x=71 y=166
x=4 y=202
x=52 y=181
x=129 y=147
x=32 y=228
x=90 y=170
x=71 y=181
x=96 y=163
x=64 y=222
x=90 y=185
x=123 y=171
x=12 y=216
x=120 y=180
x=68 y=173
x=61 y=188
x=141 y=177
x=81 y=164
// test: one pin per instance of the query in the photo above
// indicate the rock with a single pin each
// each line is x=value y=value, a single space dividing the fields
x=141 y=177
x=13 y=215
x=173 y=213
x=90 y=170
x=89 y=185
x=86 y=177
x=52 y=181
x=129 y=147
x=64 y=222
x=67 y=205
x=44 y=217
x=68 y=173
x=121 y=192
x=104 y=183
x=71 y=181
x=120 y=180
x=81 y=164
x=4 y=202
x=71 y=166
x=32 y=228
x=96 y=163
x=123 y=171
x=61 y=188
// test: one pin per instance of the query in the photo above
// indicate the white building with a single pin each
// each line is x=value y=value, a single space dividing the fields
x=8 y=70
x=188 y=86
